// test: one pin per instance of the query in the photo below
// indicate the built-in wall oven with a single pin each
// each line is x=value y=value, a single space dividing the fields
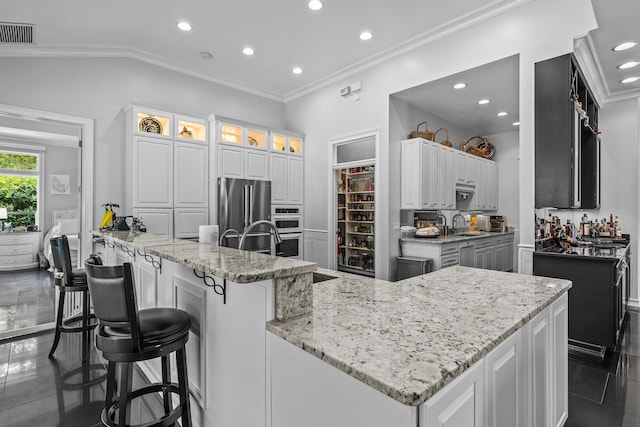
x=288 y=220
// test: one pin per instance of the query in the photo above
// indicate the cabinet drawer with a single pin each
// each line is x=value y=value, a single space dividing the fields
x=449 y=260
x=448 y=250
x=15 y=249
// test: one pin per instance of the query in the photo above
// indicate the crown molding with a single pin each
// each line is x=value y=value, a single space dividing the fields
x=477 y=16
x=116 y=51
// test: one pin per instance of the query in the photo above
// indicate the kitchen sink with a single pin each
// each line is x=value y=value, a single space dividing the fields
x=319 y=277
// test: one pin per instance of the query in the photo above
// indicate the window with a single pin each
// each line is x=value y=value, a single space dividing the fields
x=19 y=184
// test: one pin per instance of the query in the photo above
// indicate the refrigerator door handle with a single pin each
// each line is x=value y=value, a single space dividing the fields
x=250 y=205
x=247 y=202
x=224 y=198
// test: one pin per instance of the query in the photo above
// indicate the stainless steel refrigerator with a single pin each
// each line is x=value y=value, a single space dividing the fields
x=240 y=203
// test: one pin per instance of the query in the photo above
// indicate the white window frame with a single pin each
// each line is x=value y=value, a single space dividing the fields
x=38 y=152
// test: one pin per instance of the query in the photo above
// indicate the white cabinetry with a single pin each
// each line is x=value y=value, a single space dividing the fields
x=504 y=387
x=19 y=250
x=166 y=168
x=430 y=173
x=286 y=179
x=242 y=151
x=152 y=170
x=548 y=374
x=460 y=403
x=427 y=179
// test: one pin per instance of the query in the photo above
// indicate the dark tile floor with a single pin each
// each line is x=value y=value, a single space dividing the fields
x=26 y=299
x=607 y=393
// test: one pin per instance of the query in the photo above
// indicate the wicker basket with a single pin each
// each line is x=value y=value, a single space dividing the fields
x=483 y=148
x=422 y=134
x=446 y=137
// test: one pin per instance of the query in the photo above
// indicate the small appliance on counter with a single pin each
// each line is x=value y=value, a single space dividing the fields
x=497 y=223
x=483 y=223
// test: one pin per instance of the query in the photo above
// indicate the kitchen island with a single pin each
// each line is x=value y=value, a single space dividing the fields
x=439 y=349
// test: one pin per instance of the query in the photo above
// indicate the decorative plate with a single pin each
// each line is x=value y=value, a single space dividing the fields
x=150 y=124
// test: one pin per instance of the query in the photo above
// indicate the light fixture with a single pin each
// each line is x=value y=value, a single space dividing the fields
x=459 y=85
x=628 y=65
x=630 y=80
x=502 y=114
x=206 y=55
x=184 y=26
x=248 y=51
x=483 y=101
x=516 y=123
x=624 y=46
x=296 y=70
x=366 y=35
x=315 y=4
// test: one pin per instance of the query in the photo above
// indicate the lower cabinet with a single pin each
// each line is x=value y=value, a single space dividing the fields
x=459 y=404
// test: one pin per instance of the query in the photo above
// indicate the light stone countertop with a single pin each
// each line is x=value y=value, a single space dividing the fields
x=227 y=263
x=409 y=339
x=454 y=238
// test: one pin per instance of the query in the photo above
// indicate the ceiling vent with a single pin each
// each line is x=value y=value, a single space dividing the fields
x=11 y=33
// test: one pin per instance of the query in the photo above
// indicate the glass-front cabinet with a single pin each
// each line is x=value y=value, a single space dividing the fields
x=287 y=143
x=355 y=215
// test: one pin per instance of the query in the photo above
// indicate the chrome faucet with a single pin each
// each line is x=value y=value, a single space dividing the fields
x=274 y=230
x=228 y=231
x=453 y=222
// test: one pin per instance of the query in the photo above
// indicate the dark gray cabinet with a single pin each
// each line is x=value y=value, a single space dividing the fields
x=567 y=147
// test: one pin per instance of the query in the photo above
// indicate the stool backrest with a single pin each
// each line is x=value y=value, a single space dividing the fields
x=62 y=257
x=114 y=298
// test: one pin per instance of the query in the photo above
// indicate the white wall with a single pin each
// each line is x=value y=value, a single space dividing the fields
x=506 y=155
x=99 y=88
x=60 y=161
x=323 y=114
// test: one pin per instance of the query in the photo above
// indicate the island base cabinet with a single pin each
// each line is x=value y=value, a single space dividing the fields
x=548 y=366
x=306 y=391
x=459 y=404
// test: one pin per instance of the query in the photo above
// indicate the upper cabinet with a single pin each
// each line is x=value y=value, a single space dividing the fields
x=167 y=167
x=286 y=143
x=567 y=145
x=431 y=172
x=248 y=151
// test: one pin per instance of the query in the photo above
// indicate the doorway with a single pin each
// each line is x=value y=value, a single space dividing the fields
x=353 y=210
x=29 y=295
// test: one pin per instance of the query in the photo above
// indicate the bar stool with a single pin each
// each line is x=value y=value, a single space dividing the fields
x=127 y=335
x=69 y=280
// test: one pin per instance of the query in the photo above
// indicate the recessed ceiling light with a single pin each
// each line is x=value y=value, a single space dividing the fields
x=248 y=51
x=483 y=101
x=206 y=55
x=365 y=35
x=459 y=85
x=630 y=80
x=502 y=114
x=296 y=70
x=624 y=46
x=315 y=5
x=184 y=26
x=516 y=123
x=628 y=65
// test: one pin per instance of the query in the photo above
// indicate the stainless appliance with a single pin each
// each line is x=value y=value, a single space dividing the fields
x=497 y=223
x=483 y=223
x=240 y=203
x=288 y=221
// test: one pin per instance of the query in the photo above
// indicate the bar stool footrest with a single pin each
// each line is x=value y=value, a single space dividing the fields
x=108 y=414
x=78 y=318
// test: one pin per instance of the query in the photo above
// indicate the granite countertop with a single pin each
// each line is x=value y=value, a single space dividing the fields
x=227 y=263
x=454 y=238
x=409 y=339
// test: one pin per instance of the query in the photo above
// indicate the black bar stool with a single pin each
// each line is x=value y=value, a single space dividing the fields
x=68 y=279
x=126 y=335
